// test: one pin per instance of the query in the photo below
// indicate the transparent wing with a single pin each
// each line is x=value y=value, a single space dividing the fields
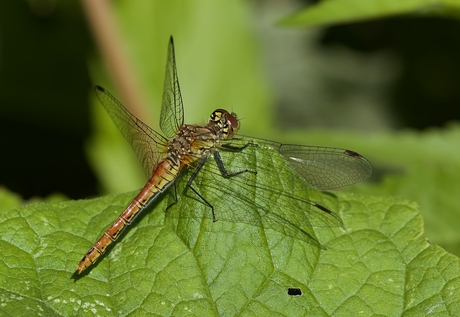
x=321 y=167
x=324 y=167
x=148 y=145
x=278 y=196
x=172 y=109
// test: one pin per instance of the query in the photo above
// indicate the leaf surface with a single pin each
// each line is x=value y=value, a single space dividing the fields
x=168 y=265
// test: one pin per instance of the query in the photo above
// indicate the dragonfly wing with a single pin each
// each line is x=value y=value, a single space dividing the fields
x=146 y=142
x=324 y=167
x=267 y=204
x=259 y=207
x=276 y=197
x=321 y=167
x=172 y=109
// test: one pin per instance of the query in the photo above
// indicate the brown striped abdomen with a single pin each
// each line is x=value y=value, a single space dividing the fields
x=165 y=173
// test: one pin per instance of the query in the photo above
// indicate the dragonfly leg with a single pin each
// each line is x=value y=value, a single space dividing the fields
x=189 y=185
x=234 y=148
x=175 y=196
x=224 y=171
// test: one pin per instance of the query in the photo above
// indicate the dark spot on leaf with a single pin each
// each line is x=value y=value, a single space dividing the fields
x=294 y=291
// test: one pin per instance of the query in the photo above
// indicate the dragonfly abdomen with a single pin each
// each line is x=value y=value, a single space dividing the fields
x=163 y=176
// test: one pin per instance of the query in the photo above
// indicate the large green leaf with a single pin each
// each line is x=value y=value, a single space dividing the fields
x=8 y=199
x=378 y=263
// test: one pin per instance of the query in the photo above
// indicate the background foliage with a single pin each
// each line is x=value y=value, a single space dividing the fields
x=375 y=81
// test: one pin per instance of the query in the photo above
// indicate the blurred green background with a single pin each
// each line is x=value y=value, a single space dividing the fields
x=354 y=85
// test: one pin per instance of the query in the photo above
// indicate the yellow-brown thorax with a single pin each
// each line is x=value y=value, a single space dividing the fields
x=193 y=142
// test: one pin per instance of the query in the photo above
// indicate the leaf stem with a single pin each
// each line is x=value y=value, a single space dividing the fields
x=113 y=50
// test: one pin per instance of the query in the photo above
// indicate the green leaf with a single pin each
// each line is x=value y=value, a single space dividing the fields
x=169 y=265
x=330 y=12
x=8 y=199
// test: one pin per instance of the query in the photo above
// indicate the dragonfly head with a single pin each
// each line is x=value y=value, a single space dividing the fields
x=226 y=123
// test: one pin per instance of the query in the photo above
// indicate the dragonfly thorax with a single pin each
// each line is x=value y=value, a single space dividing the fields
x=191 y=143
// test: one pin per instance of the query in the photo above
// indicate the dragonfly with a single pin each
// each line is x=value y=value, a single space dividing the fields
x=185 y=149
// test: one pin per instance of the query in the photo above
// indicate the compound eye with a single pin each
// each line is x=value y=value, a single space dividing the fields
x=232 y=119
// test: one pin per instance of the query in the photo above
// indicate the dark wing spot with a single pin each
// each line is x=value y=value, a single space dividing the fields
x=352 y=153
x=323 y=208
